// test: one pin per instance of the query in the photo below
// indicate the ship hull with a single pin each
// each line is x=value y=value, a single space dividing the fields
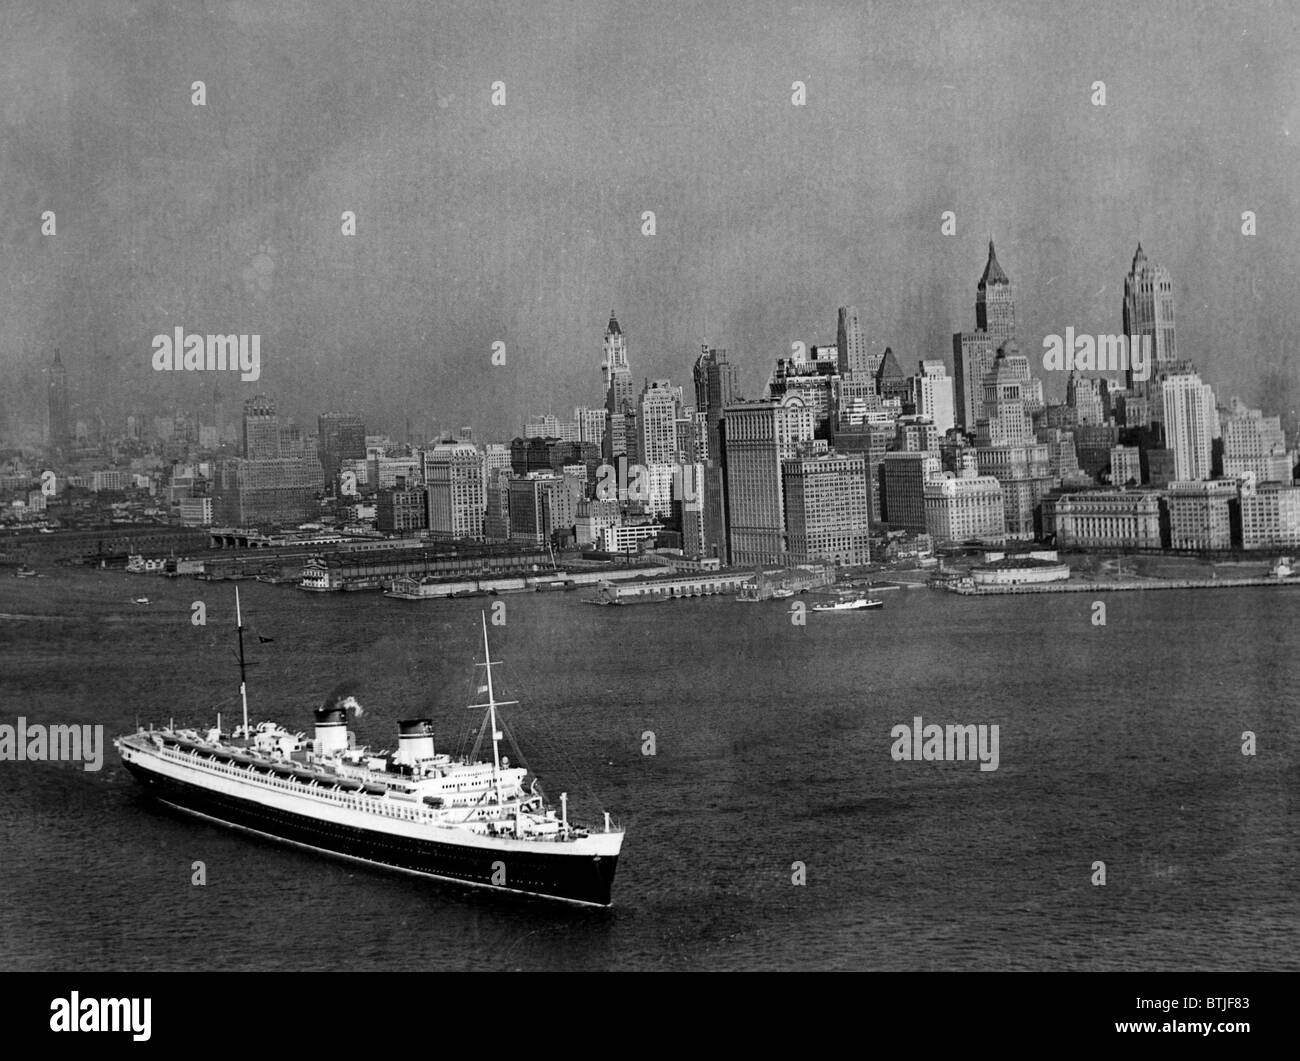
x=575 y=878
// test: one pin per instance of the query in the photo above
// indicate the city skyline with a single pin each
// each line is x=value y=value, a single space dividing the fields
x=1052 y=383
x=522 y=224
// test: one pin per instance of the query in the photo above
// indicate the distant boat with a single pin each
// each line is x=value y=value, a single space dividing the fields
x=857 y=604
x=140 y=600
x=605 y=596
x=25 y=572
x=758 y=590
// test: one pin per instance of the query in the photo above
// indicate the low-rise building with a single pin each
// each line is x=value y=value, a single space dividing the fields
x=1270 y=516
x=964 y=509
x=1104 y=519
x=1200 y=514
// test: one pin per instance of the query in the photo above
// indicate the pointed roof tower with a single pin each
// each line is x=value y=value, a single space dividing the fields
x=993 y=273
x=612 y=328
x=888 y=367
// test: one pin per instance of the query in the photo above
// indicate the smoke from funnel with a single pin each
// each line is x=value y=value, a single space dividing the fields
x=344 y=695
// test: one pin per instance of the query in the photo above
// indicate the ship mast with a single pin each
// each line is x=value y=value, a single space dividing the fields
x=243 y=688
x=492 y=705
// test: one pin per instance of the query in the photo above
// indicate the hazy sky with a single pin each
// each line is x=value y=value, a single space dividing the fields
x=522 y=223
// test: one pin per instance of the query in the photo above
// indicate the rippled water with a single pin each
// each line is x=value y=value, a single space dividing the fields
x=1119 y=744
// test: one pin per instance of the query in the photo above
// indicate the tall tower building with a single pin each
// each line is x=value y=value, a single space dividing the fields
x=1003 y=419
x=1149 y=309
x=972 y=357
x=757 y=438
x=715 y=389
x=615 y=349
x=619 y=389
x=932 y=394
x=340 y=437
x=995 y=303
x=657 y=415
x=826 y=508
x=261 y=429
x=850 y=343
x=1190 y=421
x=60 y=435
x=218 y=413
x=457 y=500
x=973 y=352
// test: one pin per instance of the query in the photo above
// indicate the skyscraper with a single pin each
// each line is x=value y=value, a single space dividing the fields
x=261 y=429
x=715 y=389
x=757 y=437
x=973 y=352
x=657 y=414
x=932 y=394
x=1149 y=310
x=218 y=413
x=1190 y=421
x=826 y=508
x=972 y=356
x=903 y=477
x=850 y=343
x=1007 y=448
x=263 y=491
x=619 y=389
x=457 y=500
x=1003 y=419
x=816 y=381
x=342 y=436
x=60 y=434
x=995 y=304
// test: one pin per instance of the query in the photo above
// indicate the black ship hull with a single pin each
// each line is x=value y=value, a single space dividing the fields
x=574 y=878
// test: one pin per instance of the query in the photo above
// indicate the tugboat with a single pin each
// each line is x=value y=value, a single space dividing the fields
x=481 y=823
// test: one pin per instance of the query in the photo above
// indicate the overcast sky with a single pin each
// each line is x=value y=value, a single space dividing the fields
x=522 y=223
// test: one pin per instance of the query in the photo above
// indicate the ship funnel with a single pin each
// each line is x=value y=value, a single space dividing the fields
x=331 y=730
x=414 y=741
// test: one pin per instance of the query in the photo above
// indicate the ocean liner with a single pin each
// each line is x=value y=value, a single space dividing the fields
x=482 y=823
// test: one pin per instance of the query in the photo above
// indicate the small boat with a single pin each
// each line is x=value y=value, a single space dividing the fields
x=140 y=600
x=782 y=592
x=25 y=572
x=856 y=604
x=605 y=596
